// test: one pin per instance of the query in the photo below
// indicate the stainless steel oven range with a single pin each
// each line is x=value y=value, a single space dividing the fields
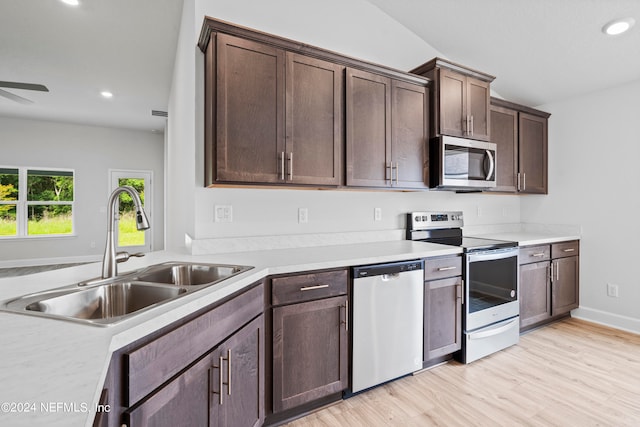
x=490 y=274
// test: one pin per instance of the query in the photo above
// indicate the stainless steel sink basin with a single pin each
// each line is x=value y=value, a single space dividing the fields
x=108 y=301
x=101 y=304
x=188 y=274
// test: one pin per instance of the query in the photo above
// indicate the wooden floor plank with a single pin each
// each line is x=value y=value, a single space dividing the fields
x=570 y=373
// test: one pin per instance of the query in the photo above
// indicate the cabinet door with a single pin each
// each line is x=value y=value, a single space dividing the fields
x=368 y=129
x=310 y=355
x=314 y=117
x=409 y=150
x=565 y=292
x=182 y=402
x=240 y=361
x=452 y=103
x=535 y=293
x=504 y=133
x=533 y=153
x=443 y=317
x=478 y=96
x=249 y=110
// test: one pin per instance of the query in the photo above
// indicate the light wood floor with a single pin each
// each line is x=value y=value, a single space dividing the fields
x=570 y=373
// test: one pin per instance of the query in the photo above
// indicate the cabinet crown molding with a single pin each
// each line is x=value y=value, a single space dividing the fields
x=213 y=25
x=443 y=63
x=498 y=102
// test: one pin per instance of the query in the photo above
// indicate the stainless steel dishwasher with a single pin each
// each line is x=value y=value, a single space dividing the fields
x=387 y=321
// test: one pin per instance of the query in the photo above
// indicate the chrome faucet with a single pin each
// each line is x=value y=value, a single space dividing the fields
x=111 y=258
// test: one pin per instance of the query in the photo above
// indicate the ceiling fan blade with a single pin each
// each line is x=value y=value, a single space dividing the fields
x=25 y=86
x=15 y=98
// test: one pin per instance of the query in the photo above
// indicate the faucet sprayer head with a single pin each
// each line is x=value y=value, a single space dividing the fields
x=142 y=222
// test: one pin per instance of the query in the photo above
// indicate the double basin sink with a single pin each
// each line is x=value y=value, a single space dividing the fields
x=108 y=301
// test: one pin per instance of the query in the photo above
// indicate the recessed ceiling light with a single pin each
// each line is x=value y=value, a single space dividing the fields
x=618 y=26
x=71 y=2
x=106 y=94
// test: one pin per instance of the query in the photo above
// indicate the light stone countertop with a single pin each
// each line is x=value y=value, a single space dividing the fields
x=528 y=238
x=52 y=371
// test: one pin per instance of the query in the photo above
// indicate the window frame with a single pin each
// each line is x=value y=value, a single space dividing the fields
x=22 y=204
x=147 y=176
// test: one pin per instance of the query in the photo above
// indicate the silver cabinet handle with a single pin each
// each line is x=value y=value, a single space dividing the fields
x=446 y=268
x=397 y=173
x=492 y=165
x=524 y=181
x=541 y=254
x=228 y=383
x=569 y=250
x=290 y=159
x=311 y=288
x=389 y=168
x=557 y=272
x=518 y=181
x=551 y=271
x=221 y=382
x=282 y=166
x=471 y=127
x=346 y=315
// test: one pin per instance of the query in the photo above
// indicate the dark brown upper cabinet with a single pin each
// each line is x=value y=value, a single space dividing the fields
x=249 y=98
x=521 y=135
x=460 y=100
x=278 y=115
x=386 y=131
x=275 y=114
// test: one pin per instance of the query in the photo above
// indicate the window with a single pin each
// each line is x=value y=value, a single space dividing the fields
x=128 y=237
x=36 y=202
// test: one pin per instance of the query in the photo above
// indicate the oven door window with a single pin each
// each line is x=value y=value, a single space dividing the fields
x=492 y=283
x=465 y=163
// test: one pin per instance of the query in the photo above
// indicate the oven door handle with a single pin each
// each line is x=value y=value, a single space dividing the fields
x=492 y=165
x=492 y=254
x=494 y=331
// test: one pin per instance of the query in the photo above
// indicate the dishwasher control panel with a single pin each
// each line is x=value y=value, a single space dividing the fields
x=387 y=269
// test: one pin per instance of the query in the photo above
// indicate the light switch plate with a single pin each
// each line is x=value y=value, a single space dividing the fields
x=377 y=214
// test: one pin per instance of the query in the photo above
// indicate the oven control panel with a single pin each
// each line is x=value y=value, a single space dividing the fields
x=432 y=220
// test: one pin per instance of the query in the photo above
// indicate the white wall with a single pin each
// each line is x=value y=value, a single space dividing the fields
x=352 y=27
x=593 y=179
x=91 y=151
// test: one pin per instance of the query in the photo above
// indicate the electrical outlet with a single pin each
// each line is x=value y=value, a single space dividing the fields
x=612 y=290
x=223 y=213
x=377 y=214
x=303 y=215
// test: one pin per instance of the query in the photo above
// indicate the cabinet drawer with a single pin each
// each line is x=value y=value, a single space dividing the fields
x=439 y=268
x=530 y=254
x=307 y=287
x=565 y=249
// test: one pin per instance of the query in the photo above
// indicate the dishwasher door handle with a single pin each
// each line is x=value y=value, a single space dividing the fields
x=391 y=276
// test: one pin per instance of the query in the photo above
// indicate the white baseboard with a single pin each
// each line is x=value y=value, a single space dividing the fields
x=49 y=261
x=605 y=318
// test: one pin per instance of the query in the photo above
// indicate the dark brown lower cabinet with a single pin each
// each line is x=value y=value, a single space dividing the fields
x=564 y=296
x=535 y=293
x=443 y=317
x=224 y=388
x=310 y=356
x=549 y=288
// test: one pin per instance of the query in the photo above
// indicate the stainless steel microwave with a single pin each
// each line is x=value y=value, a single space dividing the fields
x=462 y=164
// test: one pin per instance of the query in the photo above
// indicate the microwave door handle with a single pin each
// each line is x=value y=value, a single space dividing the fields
x=491 y=165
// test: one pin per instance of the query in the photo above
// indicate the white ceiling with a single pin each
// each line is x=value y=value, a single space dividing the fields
x=540 y=51
x=124 y=46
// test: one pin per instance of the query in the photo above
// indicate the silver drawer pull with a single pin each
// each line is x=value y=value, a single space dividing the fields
x=569 y=250
x=311 y=288
x=541 y=254
x=446 y=268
